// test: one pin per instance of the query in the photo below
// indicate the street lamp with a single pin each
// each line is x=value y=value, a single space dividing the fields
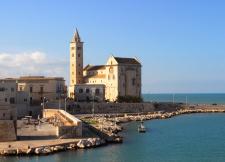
x=45 y=100
x=65 y=102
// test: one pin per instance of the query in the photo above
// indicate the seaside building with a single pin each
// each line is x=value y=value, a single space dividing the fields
x=8 y=114
x=118 y=77
x=33 y=89
x=27 y=93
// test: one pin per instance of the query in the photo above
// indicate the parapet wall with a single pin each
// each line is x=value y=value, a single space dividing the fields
x=70 y=126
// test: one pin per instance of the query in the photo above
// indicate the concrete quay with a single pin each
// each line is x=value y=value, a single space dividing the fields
x=45 y=147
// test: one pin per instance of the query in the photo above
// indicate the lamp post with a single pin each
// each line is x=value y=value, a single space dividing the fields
x=43 y=106
x=65 y=103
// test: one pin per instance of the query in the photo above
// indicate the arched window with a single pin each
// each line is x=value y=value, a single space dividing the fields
x=97 y=91
x=80 y=90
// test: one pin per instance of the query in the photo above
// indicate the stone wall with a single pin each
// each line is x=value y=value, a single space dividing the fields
x=7 y=130
x=107 y=108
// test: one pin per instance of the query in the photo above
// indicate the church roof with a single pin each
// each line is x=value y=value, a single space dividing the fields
x=122 y=60
x=95 y=76
x=97 y=67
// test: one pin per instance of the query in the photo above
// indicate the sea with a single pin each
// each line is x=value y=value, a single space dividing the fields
x=184 y=138
x=190 y=98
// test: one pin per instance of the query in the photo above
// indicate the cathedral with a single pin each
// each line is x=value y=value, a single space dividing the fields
x=118 y=77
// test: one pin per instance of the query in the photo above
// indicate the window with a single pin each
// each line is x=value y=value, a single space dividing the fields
x=87 y=90
x=6 y=99
x=72 y=81
x=133 y=81
x=12 y=89
x=41 y=89
x=72 y=48
x=113 y=76
x=80 y=90
x=21 y=88
x=3 y=114
x=31 y=89
x=31 y=99
x=72 y=73
x=72 y=54
x=78 y=48
x=72 y=65
x=78 y=54
x=97 y=91
x=12 y=100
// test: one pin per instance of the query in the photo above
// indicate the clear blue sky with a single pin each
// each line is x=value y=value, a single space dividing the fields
x=181 y=44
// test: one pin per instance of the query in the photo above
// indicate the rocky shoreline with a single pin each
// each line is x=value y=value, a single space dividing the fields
x=108 y=125
x=46 y=150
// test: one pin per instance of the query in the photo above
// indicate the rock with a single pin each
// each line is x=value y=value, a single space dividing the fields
x=84 y=143
x=92 y=141
x=37 y=151
x=81 y=144
x=19 y=151
x=98 y=142
x=42 y=150
x=10 y=152
x=71 y=146
x=59 y=148
x=46 y=150
x=30 y=151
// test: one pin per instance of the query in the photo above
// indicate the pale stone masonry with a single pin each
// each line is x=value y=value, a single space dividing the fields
x=27 y=93
x=120 y=76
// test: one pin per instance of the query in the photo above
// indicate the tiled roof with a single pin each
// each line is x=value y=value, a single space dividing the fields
x=122 y=60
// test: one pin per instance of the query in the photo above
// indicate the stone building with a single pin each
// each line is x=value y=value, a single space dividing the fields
x=119 y=76
x=90 y=92
x=27 y=93
x=8 y=115
x=35 y=88
x=8 y=89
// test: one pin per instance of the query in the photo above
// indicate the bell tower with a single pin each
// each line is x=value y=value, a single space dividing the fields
x=76 y=62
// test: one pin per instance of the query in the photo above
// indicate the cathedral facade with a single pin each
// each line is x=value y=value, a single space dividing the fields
x=118 y=77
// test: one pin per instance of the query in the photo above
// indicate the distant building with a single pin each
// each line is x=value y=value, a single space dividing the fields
x=119 y=76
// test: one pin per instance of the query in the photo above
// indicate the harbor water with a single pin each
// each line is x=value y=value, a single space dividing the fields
x=193 y=137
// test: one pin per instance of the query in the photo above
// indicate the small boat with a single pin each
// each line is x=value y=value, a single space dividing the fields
x=141 y=128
